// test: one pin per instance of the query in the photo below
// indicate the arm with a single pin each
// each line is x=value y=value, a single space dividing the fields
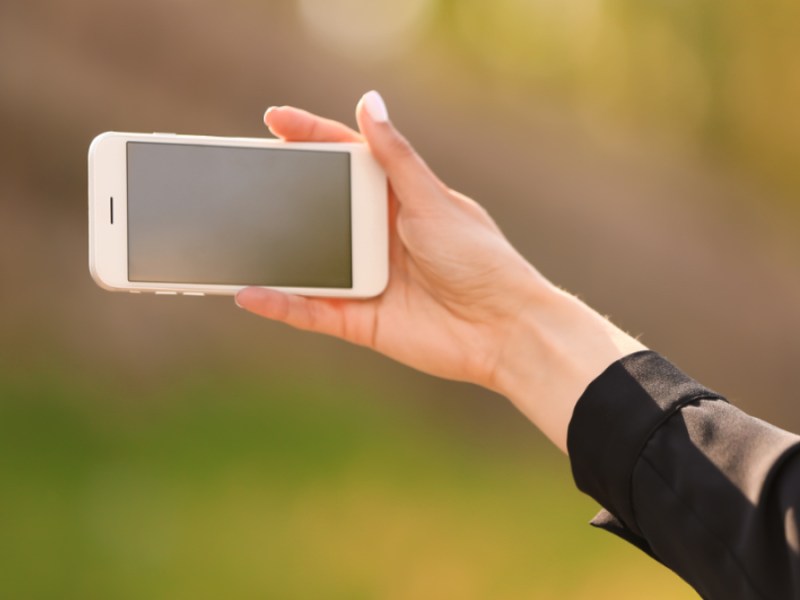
x=461 y=302
x=709 y=491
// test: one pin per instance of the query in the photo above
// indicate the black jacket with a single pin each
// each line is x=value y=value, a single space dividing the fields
x=709 y=491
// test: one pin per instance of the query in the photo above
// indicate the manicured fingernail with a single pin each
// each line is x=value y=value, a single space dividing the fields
x=376 y=107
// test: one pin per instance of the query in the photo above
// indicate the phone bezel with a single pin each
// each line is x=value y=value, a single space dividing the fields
x=108 y=242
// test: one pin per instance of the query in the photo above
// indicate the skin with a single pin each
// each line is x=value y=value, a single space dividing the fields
x=461 y=302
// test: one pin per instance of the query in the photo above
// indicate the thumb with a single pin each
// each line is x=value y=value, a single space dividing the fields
x=414 y=184
x=322 y=315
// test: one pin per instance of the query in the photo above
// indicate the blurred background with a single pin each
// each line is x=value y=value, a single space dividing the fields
x=644 y=155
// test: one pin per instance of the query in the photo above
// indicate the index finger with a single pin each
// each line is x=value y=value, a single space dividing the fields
x=296 y=125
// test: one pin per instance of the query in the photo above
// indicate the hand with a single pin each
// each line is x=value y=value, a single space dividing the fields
x=461 y=302
x=456 y=285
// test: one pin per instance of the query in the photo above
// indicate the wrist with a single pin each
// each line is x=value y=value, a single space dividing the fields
x=555 y=348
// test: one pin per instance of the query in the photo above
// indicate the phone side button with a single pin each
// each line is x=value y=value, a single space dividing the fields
x=166 y=293
x=193 y=293
x=135 y=291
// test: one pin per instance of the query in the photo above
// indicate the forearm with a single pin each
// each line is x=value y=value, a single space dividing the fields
x=557 y=346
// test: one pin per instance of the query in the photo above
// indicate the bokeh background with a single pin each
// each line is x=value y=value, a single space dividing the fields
x=645 y=155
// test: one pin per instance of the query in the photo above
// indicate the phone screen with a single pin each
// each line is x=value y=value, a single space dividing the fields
x=238 y=215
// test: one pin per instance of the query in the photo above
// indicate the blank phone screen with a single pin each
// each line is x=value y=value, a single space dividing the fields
x=238 y=216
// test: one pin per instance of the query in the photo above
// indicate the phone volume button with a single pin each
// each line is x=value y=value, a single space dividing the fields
x=166 y=293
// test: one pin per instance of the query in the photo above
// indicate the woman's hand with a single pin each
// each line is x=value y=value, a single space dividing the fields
x=461 y=302
x=456 y=285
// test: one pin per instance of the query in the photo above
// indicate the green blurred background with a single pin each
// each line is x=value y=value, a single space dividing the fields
x=645 y=155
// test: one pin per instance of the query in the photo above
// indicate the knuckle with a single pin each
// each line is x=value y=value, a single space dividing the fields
x=312 y=127
x=401 y=149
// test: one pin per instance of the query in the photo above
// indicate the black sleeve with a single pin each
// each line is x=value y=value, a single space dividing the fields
x=704 y=488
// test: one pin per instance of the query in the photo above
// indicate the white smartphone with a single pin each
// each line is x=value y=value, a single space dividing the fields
x=196 y=215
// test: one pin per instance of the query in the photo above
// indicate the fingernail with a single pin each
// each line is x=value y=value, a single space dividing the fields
x=236 y=300
x=376 y=107
x=266 y=114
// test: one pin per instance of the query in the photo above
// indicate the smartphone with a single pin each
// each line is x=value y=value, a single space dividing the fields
x=195 y=215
